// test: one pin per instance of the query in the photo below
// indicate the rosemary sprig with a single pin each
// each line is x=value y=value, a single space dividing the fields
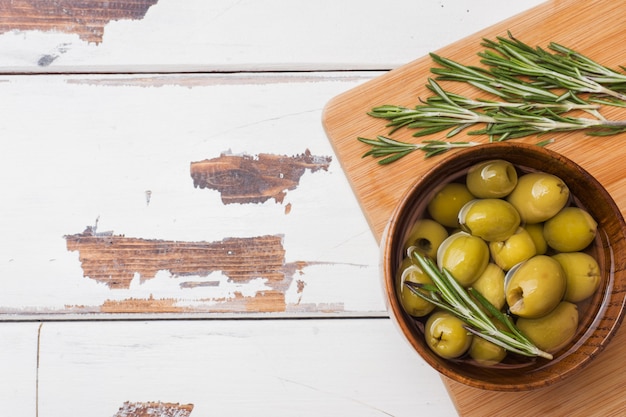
x=535 y=90
x=505 y=87
x=515 y=120
x=391 y=150
x=592 y=69
x=568 y=70
x=560 y=107
x=449 y=295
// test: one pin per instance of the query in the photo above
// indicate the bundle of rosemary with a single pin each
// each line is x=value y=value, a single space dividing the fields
x=472 y=308
x=534 y=91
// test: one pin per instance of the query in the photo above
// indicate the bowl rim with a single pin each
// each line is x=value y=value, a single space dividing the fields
x=616 y=283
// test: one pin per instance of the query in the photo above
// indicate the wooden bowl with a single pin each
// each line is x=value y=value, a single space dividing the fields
x=600 y=316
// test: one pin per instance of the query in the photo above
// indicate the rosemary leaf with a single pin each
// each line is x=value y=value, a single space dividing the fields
x=391 y=150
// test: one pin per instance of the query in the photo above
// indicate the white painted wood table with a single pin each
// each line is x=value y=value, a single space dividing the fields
x=177 y=234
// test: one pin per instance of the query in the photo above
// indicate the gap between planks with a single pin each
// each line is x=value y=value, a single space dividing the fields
x=120 y=317
x=236 y=70
x=37 y=370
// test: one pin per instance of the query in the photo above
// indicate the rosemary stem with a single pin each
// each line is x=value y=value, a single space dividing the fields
x=612 y=123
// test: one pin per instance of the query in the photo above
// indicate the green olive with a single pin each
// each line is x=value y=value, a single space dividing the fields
x=491 y=179
x=413 y=304
x=582 y=274
x=538 y=196
x=446 y=335
x=486 y=353
x=491 y=219
x=535 y=287
x=445 y=205
x=553 y=331
x=490 y=284
x=535 y=230
x=465 y=256
x=517 y=248
x=570 y=230
x=426 y=235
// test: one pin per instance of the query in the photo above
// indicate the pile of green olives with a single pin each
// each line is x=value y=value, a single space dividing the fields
x=517 y=237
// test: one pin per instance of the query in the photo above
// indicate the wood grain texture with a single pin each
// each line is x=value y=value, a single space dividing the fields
x=379 y=189
x=256 y=267
x=248 y=179
x=596 y=391
x=115 y=259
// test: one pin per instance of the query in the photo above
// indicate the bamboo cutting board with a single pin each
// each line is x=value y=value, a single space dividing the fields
x=598 y=30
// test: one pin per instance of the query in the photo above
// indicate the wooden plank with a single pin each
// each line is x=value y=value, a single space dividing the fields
x=228 y=35
x=106 y=217
x=379 y=189
x=240 y=367
x=18 y=365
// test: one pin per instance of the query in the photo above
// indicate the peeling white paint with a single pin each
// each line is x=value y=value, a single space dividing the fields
x=231 y=35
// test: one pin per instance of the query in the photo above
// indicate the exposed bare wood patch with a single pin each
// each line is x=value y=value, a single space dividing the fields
x=268 y=301
x=85 y=18
x=247 y=179
x=115 y=259
x=152 y=409
x=140 y=305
